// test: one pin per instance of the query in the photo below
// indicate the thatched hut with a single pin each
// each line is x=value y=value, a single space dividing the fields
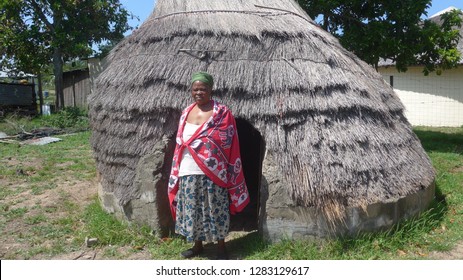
x=325 y=144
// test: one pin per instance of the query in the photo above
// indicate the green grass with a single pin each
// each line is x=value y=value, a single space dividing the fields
x=439 y=228
x=38 y=228
x=42 y=166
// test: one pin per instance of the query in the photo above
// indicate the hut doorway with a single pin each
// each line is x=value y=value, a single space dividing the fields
x=252 y=148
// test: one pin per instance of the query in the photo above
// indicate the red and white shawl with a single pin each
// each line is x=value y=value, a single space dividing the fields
x=216 y=150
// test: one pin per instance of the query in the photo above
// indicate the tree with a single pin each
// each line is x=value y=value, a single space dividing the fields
x=390 y=29
x=37 y=32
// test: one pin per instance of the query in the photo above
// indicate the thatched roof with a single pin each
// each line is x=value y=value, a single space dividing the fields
x=337 y=129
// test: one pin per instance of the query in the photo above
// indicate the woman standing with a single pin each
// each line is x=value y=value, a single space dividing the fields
x=206 y=183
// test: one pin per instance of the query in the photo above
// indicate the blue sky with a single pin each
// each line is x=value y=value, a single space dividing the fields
x=143 y=8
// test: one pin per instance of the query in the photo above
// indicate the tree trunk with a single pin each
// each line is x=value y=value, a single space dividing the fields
x=39 y=77
x=325 y=22
x=58 y=71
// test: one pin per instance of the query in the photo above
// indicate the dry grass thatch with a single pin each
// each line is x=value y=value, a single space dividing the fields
x=337 y=129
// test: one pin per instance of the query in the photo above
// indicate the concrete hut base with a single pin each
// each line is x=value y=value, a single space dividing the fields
x=280 y=218
x=151 y=206
x=295 y=222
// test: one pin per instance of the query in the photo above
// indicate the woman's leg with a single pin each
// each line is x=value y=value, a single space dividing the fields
x=198 y=247
x=221 y=250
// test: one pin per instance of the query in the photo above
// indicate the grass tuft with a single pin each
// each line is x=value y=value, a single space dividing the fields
x=111 y=231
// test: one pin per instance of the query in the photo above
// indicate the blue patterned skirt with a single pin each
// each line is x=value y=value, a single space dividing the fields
x=202 y=209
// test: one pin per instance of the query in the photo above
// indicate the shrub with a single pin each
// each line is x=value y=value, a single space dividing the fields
x=71 y=118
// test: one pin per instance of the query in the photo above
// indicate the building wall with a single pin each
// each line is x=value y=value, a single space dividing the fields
x=95 y=67
x=433 y=100
x=76 y=88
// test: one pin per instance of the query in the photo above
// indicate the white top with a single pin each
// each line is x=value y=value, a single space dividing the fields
x=188 y=165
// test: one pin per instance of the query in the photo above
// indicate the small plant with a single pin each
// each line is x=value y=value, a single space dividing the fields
x=37 y=219
x=15 y=213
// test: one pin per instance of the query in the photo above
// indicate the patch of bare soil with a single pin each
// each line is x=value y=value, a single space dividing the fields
x=45 y=204
x=125 y=253
x=454 y=254
x=50 y=203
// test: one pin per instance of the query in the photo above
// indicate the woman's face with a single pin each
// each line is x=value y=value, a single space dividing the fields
x=201 y=92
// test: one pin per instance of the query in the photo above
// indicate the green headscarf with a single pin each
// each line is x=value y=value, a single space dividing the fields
x=203 y=77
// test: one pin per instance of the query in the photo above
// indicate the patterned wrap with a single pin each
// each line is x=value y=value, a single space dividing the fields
x=216 y=150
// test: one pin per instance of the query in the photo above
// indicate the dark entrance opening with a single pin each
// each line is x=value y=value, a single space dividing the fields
x=252 y=148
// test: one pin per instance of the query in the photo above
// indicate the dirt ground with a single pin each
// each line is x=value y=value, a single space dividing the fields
x=82 y=193
x=455 y=254
x=77 y=193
